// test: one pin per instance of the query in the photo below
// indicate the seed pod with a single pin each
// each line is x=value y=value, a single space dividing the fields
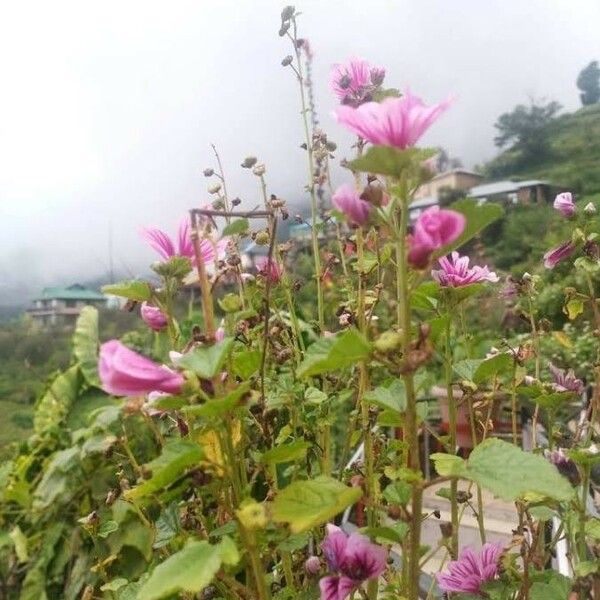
x=208 y=172
x=288 y=12
x=249 y=162
x=236 y=202
x=215 y=188
x=287 y=61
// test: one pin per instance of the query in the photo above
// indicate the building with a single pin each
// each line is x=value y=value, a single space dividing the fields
x=457 y=180
x=61 y=306
x=514 y=192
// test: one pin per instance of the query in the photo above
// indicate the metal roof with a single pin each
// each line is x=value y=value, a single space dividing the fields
x=503 y=187
x=73 y=292
x=423 y=202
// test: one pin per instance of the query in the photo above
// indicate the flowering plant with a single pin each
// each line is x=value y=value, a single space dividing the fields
x=252 y=447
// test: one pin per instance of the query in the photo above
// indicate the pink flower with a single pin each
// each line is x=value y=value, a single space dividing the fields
x=183 y=246
x=564 y=204
x=471 y=570
x=354 y=82
x=565 y=381
x=220 y=334
x=124 y=372
x=347 y=200
x=153 y=316
x=433 y=229
x=353 y=559
x=555 y=255
x=397 y=122
x=269 y=269
x=455 y=272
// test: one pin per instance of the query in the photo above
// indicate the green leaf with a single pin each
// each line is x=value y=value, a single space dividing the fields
x=307 y=504
x=20 y=543
x=385 y=160
x=592 y=528
x=53 y=406
x=573 y=308
x=448 y=465
x=167 y=525
x=333 y=353
x=314 y=395
x=286 y=452
x=236 y=227
x=85 y=344
x=219 y=406
x=478 y=216
x=294 y=542
x=134 y=290
x=189 y=570
x=391 y=398
x=246 y=363
x=510 y=473
x=107 y=528
x=114 y=585
x=554 y=587
x=177 y=455
x=384 y=535
x=398 y=492
x=206 y=361
x=480 y=370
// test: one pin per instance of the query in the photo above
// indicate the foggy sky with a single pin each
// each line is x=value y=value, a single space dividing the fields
x=108 y=109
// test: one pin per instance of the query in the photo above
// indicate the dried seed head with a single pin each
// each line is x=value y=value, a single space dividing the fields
x=259 y=170
x=215 y=188
x=249 y=162
x=208 y=172
x=287 y=61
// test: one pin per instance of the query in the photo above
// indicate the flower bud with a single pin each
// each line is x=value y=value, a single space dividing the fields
x=331 y=146
x=236 y=202
x=287 y=61
x=208 y=172
x=259 y=170
x=249 y=162
x=214 y=188
x=262 y=238
x=388 y=341
x=288 y=12
x=284 y=28
x=312 y=565
x=589 y=209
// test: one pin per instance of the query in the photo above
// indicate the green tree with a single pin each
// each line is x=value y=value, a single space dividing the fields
x=525 y=129
x=588 y=81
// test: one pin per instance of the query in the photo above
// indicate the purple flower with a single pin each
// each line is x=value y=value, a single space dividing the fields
x=555 y=255
x=566 y=467
x=565 y=381
x=153 y=316
x=347 y=200
x=312 y=565
x=354 y=81
x=270 y=269
x=397 y=122
x=183 y=246
x=124 y=372
x=564 y=204
x=353 y=559
x=471 y=570
x=434 y=228
x=455 y=272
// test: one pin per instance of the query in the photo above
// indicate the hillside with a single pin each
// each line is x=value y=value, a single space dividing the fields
x=574 y=159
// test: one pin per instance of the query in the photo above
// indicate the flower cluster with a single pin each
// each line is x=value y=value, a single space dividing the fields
x=354 y=82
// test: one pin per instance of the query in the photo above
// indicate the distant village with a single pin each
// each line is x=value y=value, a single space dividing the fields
x=60 y=306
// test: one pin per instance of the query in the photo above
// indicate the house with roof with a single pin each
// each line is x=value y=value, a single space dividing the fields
x=60 y=306
x=531 y=191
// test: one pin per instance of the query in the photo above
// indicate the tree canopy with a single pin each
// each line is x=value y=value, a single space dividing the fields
x=588 y=81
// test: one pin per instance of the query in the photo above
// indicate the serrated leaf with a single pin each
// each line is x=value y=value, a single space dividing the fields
x=246 y=363
x=555 y=587
x=286 y=452
x=333 y=353
x=392 y=397
x=133 y=290
x=53 y=406
x=236 y=227
x=189 y=570
x=307 y=504
x=177 y=455
x=385 y=160
x=85 y=344
x=206 y=361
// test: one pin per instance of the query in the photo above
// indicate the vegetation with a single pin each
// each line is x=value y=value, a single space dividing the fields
x=588 y=81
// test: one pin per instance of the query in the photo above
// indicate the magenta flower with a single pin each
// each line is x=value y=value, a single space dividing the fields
x=347 y=200
x=433 y=229
x=555 y=255
x=565 y=381
x=564 y=204
x=353 y=559
x=124 y=372
x=183 y=246
x=270 y=269
x=153 y=316
x=397 y=122
x=471 y=570
x=455 y=272
x=354 y=81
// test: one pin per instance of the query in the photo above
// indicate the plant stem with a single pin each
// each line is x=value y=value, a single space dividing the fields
x=452 y=440
x=411 y=427
x=207 y=303
x=311 y=182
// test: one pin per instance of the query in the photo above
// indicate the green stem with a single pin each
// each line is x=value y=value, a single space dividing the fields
x=452 y=440
x=585 y=486
x=311 y=185
x=480 y=520
x=411 y=427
